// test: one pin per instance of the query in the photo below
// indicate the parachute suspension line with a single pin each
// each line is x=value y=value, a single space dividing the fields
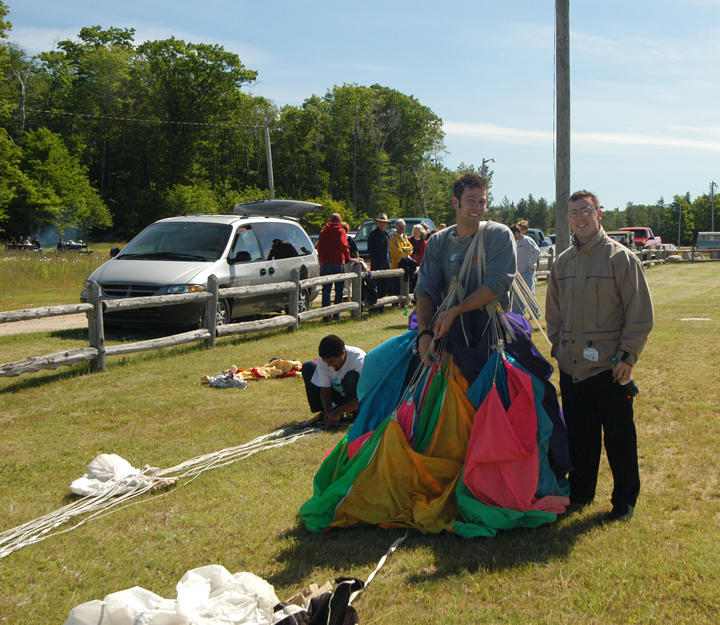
x=380 y=564
x=522 y=292
x=119 y=495
x=475 y=255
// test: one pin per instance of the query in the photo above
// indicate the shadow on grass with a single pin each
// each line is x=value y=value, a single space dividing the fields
x=46 y=377
x=508 y=550
x=346 y=550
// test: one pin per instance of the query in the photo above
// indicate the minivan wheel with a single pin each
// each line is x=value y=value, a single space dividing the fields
x=222 y=313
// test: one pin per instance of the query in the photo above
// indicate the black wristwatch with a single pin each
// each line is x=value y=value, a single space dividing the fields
x=419 y=336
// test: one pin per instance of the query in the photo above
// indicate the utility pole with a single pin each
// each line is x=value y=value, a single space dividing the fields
x=679 y=221
x=713 y=186
x=562 y=123
x=268 y=159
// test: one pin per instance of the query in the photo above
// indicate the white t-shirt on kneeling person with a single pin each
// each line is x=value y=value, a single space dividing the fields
x=329 y=377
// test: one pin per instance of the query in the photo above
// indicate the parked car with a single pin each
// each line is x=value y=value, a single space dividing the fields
x=553 y=238
x=366 y=228
x=626 y=237
x=543 y=242
x=709 y=242
x=178 y=254
x=644 y=237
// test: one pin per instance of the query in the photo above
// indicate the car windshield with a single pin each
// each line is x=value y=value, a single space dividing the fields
x=181 y=241
x=364 y=231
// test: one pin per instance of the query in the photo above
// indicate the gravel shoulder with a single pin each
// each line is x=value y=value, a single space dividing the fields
x=48 y=324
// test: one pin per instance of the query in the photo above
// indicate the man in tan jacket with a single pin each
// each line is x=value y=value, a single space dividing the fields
x=599 y=314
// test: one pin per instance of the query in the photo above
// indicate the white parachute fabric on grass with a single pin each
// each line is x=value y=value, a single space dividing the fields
x=109 y=473
x=209 y=595
x=112 y=499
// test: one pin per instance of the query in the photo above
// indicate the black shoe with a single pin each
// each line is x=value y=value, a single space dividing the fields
x=577 y=505
x=620 y=513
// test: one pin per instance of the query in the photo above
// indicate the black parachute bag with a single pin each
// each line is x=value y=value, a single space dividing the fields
x=334 y=608
x=369 y=291
x=329 y=608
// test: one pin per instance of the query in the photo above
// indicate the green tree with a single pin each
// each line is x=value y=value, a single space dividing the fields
x=184 y=86
x=367 y=146
x=60 y=193
x=314 y=222
x=5 y=26
x=679 y=209
x=20 y=77
x=613 y=219
x=13 y=181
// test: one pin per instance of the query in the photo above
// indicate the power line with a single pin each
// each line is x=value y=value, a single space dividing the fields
x=145 y=121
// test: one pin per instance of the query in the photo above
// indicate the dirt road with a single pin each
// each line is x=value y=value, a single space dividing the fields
x=48 y=324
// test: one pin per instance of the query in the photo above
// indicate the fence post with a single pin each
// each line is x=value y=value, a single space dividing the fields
x=211 y=310
x=295 y=297
x=357 y=291
x=405 y=289
x=551 y=259
x=96 y=330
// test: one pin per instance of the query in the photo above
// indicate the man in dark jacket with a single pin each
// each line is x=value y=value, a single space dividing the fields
x=378 y=246
x=333 y=253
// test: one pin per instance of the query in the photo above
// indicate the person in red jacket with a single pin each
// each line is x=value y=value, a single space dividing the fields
x=333 y=253
x=418 y=240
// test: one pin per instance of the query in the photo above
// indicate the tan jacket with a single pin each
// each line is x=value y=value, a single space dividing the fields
x=597 y=308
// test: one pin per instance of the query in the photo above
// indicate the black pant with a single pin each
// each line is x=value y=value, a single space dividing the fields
x=594 y=407
x=349 y=388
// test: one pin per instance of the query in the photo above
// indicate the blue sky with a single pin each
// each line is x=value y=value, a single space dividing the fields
x=644 y=75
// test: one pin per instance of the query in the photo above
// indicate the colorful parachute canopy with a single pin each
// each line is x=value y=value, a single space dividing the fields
x=472 y=445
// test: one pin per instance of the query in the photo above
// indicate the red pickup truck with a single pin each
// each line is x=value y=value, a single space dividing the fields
x=644 y=237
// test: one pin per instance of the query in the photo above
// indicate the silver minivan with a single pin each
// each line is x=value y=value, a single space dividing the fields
x=178 y=254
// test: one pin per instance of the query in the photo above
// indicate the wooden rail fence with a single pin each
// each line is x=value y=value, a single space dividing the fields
x=97 y=306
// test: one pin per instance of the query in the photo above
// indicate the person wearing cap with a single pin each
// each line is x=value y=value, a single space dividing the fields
x=400 y=247
x=333 y=253
x=378 y=247
x=599 y=313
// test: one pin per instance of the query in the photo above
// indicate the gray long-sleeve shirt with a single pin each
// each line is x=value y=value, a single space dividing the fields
x=444 y=255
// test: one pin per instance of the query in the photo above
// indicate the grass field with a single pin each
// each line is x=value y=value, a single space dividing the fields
x=33 y=279
x=662 y=567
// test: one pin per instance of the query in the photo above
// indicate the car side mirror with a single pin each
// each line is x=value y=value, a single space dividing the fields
x=114 y=252
x=240 y=257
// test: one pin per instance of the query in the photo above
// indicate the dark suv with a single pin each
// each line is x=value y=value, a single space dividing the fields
x=367 y=227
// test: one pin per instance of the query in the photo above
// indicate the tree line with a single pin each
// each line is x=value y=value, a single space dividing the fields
x=692 y=216
x=103 y=135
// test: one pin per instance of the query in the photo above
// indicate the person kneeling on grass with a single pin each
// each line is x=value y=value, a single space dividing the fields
x=331 y=381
